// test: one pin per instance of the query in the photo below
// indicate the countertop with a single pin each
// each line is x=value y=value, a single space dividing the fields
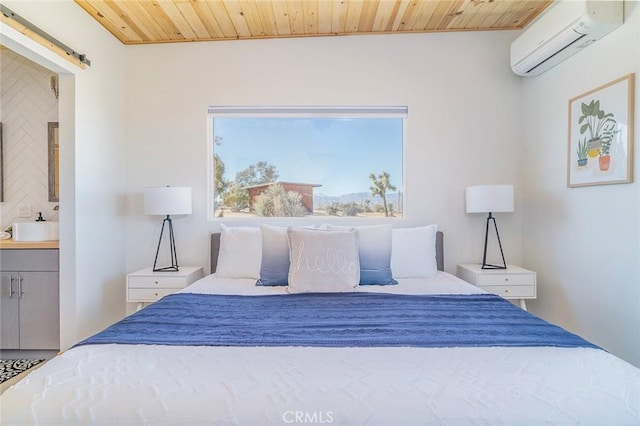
x=10 y=244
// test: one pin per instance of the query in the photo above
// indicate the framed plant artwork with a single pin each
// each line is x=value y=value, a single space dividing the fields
x=600 y=150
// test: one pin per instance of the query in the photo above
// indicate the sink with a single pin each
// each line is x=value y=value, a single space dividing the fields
x=36 y=231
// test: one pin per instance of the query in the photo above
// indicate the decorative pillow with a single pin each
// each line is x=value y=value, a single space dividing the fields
x=374 y=248
x=240 y=252
x=274 y=269
x=323 y=261
x=413 y=253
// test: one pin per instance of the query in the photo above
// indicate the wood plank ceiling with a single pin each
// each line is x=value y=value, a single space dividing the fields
x=162 y=21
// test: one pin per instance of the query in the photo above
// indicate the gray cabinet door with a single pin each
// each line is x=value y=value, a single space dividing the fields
x=39 y=324
x=9 y=309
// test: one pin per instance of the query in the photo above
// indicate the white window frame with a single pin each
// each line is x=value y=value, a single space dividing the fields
x=297 y=112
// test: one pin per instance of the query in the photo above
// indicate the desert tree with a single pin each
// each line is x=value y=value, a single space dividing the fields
x=235 y=197
x=379 y=186
x=260 y=172
x=220 y=184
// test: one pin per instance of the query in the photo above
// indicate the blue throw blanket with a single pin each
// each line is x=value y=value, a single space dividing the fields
x=336 y=320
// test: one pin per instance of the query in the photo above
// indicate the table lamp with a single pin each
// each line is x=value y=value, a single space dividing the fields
x=490 y=199
x=167 y=200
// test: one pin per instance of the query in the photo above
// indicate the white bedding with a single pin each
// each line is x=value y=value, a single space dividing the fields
x=142 y=384
x=442 y=283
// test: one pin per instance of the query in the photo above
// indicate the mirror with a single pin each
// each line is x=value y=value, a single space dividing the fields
x=54 y=162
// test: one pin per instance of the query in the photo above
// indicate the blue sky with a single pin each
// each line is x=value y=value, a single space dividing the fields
x=338 y=153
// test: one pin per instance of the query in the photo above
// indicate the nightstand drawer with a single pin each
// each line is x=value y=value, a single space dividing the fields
x=147 y=285
x=511 y=283
x=506 y=279
x=148 y=294
x=513 y=292
x=157 y=282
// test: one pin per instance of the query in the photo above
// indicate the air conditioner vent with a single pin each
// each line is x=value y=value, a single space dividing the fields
x=567 y=27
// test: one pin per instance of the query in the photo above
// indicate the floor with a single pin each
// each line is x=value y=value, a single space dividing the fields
x=15 y=354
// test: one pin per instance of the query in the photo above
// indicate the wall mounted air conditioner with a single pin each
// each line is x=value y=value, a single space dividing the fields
x=564 y=29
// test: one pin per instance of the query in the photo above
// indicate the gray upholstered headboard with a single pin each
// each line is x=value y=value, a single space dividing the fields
x=215 y=248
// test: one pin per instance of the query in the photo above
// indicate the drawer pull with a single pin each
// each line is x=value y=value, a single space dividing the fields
x=506 y=290
x=156 y=294
x=506 y=279
x=156 y=282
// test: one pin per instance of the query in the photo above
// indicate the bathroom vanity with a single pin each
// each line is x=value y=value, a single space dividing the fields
x=29 y=296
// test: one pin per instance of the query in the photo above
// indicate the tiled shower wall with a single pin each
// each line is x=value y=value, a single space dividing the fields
x=27 y=104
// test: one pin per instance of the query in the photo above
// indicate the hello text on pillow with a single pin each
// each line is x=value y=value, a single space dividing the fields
x=323 y=261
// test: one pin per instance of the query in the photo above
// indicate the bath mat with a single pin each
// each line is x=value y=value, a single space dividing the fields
x=12 y=367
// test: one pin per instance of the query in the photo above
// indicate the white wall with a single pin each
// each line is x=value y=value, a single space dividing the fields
x=464 y=124
x=27 y=104
x=583 y=242
x=92 y=262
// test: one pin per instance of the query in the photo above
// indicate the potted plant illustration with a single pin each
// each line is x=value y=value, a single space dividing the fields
x=582 y=153
x=604 y=161
x=598 y=124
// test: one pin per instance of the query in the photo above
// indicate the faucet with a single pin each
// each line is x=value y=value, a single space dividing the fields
x=40 y=218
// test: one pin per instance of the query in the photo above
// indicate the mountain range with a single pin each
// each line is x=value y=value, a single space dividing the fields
x=322 y=200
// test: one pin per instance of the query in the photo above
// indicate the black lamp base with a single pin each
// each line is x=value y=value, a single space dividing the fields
x=489 y=266
x=486 y=265
x=172 y=247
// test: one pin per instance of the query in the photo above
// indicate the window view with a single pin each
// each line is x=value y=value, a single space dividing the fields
x=299 y=162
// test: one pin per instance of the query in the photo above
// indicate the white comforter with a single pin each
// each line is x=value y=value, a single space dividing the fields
x=141 y=384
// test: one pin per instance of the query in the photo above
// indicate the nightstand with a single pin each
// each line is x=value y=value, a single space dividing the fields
x=511 y=283
x=146 y=286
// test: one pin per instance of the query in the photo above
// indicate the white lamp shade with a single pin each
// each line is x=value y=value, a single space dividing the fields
x=166 y=200
x=490 y=199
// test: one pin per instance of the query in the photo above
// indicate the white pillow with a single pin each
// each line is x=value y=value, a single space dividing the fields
x=240 y=252
x=323 y=261
x=413 y=252
x=374 y=250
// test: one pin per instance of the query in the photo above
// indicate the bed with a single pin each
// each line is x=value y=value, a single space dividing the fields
x=202 y=375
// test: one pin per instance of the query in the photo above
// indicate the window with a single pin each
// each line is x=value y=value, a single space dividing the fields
x=301 y=161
